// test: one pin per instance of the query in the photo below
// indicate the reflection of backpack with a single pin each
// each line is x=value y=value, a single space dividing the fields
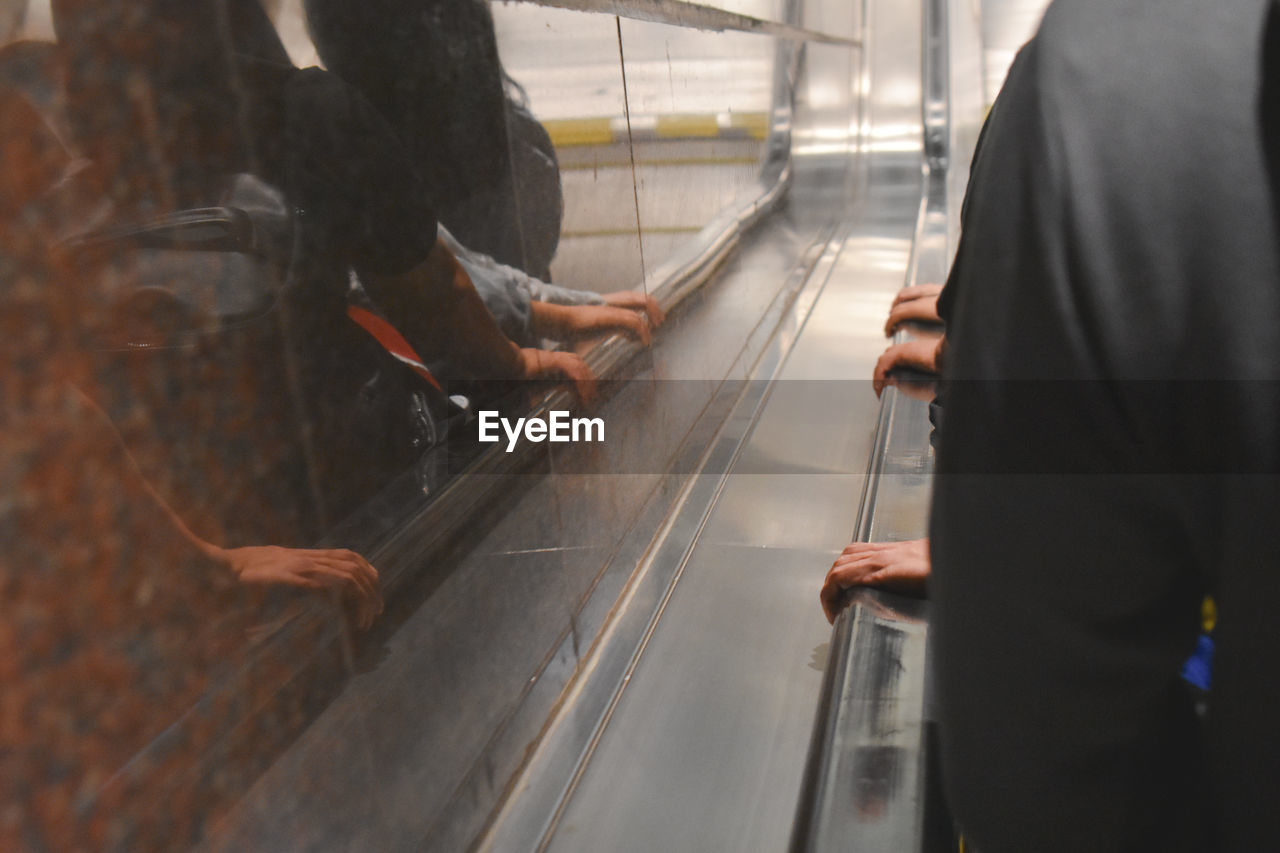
x=244 y=389
x=539 y=198
x=402 y=395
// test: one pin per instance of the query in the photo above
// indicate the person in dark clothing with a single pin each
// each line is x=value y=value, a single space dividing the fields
x=1108 y=454
x=170 y=100
x=168 y=97
x=432 y=69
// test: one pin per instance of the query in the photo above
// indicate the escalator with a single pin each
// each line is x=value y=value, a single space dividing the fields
x=672 y=704
x=619 y=646
x=692 y=726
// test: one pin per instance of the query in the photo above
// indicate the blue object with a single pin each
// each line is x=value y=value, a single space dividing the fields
x=1198 y=670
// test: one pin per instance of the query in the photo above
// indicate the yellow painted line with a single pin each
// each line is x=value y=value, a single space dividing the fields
x=567 y=132
x=570 y=132
x=756 y=124
x=688 y=126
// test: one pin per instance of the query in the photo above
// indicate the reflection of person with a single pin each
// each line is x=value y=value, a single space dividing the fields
x=1108 y=452
x=877 y=773
x=528 y=309
x=117 y=618
x=208 y=105
x=30 y=220
x=339 y=569
x=431 y=67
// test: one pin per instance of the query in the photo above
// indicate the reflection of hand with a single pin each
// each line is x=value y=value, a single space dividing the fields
x=919 y=355
x=637 y=301
x=920 y=310
x=340 y=569
x=594 y=319
x=898 y=566
x=546 y=364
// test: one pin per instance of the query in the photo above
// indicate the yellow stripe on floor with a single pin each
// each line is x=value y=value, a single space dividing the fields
x=567 y=132
x=756 y=124
x=689 y=126
x=570 y=132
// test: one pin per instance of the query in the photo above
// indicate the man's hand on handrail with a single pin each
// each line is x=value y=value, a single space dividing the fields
x=896 y=566
x=922 y=354
x=915 y=304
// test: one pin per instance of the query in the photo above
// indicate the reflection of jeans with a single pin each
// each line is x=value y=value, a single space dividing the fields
x=507 y=291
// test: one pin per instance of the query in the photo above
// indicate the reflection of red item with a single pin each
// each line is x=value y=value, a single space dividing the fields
x=392 y=341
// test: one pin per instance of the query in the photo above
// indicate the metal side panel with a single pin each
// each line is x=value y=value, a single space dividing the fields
x=705 y=743
x=871 y=783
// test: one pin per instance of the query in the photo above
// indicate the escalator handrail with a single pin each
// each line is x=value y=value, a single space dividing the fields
x=822 y=812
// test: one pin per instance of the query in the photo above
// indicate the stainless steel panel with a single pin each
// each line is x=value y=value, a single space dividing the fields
x=967 y=103
x=704 y=752
x=812 y=427
x=534 y=805
x=866 y=787
x=1006 y=26
x=813 y=510
x=703 y=747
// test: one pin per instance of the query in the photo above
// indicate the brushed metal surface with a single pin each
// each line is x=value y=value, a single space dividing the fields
x=706 y=744
x=538 y=796
x=698 y=755
x=868 y=782
x=1006 y=26
x=454 y=689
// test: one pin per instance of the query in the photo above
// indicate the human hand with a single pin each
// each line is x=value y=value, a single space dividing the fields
x=588 y=320
x=340 y=569
x=637 y=301
x=919 y=355
x=917 y=291
x=549 y=364
x=922 y=309
x=898 y=566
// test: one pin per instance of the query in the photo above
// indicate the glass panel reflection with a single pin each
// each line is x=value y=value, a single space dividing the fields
x=243 y=480
x=699 y=116
x=568 y=64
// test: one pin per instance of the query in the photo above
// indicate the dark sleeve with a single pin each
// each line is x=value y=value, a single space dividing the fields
x=356 y=190
x=1269 y=97
x=1064 y=598
x=432 y=68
